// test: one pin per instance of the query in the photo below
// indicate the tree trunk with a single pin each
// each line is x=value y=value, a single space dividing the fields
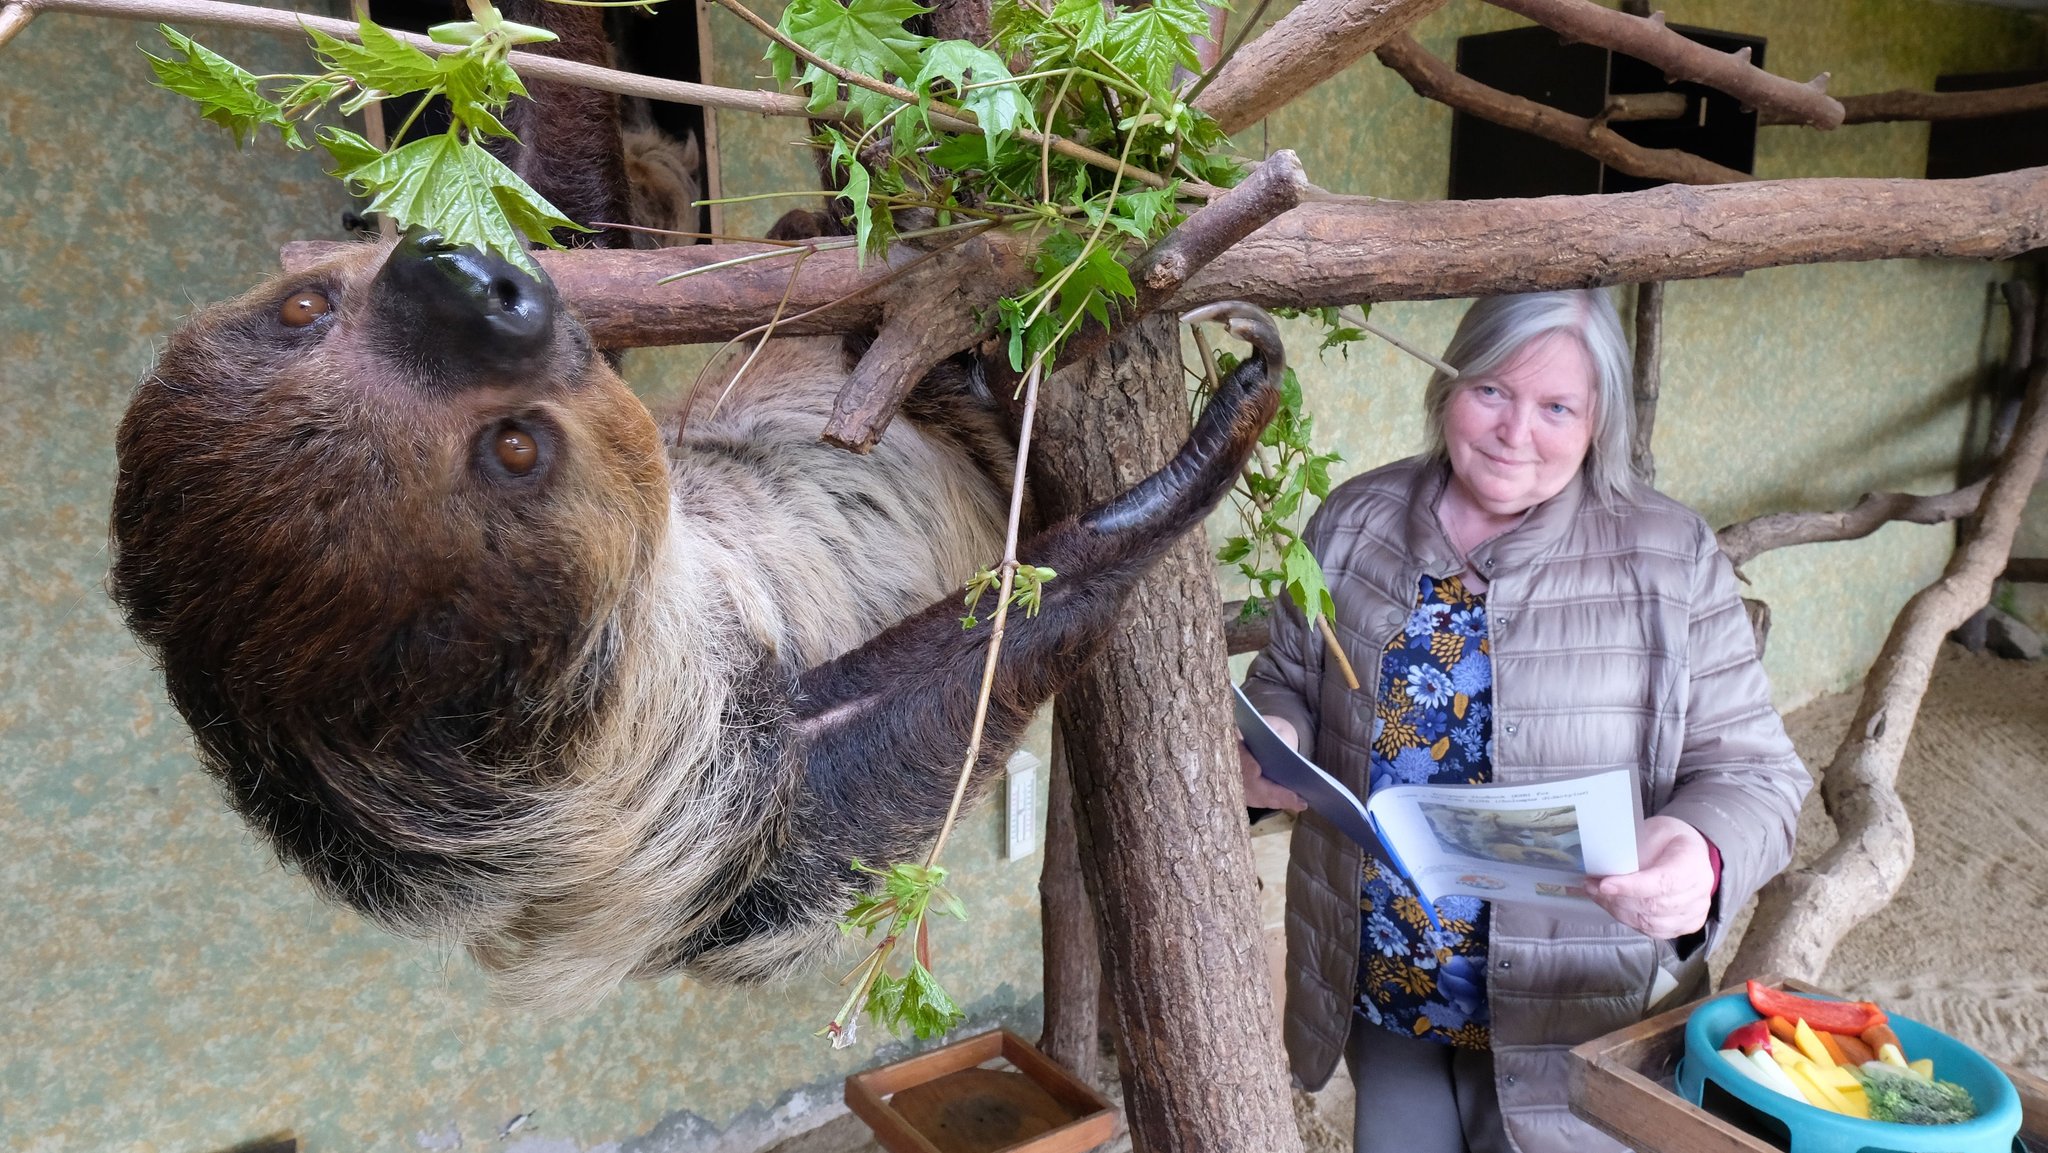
x=1158 y=804
x=1073 y=956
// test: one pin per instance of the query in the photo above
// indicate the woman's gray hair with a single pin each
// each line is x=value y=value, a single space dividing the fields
x=1496 y=327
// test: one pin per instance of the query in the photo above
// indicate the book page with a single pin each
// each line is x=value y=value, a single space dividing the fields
x=1534 y=842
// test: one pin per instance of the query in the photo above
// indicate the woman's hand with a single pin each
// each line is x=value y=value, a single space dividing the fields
x=1670 y=894
x=1259 y=792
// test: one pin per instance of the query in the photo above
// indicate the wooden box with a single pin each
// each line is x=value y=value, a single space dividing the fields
x=1622 y=1083
x=949 y=1101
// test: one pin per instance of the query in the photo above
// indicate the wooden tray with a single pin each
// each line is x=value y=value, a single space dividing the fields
x=943 y=1101
x=1621 y=1083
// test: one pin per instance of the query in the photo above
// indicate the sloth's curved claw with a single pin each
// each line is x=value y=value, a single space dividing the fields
x=1249 y=323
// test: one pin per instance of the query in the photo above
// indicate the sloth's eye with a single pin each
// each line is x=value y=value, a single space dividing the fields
x=303 y=308
x=516 y=450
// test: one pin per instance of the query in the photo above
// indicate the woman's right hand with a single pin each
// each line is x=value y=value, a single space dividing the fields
x=1260 y=793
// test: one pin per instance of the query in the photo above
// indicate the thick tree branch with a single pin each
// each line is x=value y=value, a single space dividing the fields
x=928 y=315
x=1337 y=252
x=1649 y=375
x=1911 y=104
x=1247 y=633
x=1804 y=913
x=1436 y=80
x=1646 y=38
x=1745 y=540
x=1314 y=42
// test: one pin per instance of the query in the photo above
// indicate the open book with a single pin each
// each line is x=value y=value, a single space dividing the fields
x=1533 y=843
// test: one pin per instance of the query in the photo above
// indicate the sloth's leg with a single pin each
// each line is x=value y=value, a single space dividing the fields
x=883 y=728
x=879 y=733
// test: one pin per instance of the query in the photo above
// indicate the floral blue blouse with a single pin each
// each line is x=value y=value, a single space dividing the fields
x=1431 y=726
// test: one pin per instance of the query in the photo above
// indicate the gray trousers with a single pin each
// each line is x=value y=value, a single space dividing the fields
x=1421 y=1096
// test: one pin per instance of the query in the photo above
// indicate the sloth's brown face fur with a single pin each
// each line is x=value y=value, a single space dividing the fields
x=340 y=545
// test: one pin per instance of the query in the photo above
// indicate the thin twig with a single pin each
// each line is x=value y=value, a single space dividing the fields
x=995 y=639
x=528 y=64
x=651 y=231
x=1337 y=651
x=1360 y=320
x=767 y=332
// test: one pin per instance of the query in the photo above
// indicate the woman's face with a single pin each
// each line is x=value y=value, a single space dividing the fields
x=1518 y=434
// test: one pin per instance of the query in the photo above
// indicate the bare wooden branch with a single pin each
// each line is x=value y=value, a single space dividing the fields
x=1746 y=540
x=14 y=18
x=1344 y=251
x=1911 y=104
x=1648 y=39
x=1314 y=42
x=1436 y=80
x=928 y=315
x=1247 y=632
x=1649 y=375
x=1804 y=913
x=530 y=65
x=1623 y=106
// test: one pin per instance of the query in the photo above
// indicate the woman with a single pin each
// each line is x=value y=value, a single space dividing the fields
x=1517 y=607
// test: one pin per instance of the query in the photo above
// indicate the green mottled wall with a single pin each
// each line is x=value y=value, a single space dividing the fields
x=169 y=988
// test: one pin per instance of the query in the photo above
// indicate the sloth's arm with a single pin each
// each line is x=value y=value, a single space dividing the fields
x=881 y=731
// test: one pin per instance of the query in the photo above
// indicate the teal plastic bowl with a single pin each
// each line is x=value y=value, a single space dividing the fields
x=1704 y=1075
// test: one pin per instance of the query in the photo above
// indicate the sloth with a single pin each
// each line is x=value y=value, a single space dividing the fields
x=490 y=654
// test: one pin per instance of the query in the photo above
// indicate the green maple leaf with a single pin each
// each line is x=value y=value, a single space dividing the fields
x=872 y=230
x=381 y=64
x=1148 y=42
x=1085 y=21
x=227 y=93
x=476 y=83
x=865 y=36
x=1305 y=583
x=453 y=186
x=999 y=107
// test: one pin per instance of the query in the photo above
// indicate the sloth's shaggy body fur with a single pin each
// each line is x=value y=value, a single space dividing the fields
x=634 y=711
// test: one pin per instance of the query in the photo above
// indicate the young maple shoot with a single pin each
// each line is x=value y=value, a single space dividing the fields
x=446 y=182
x=1027 y=590
x=910 y=894
x=1286 y=469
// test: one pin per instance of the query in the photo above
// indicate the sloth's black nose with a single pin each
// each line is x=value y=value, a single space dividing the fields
x=460 y=310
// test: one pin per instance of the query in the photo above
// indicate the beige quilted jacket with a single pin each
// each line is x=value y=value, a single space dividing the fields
x=1618 y=640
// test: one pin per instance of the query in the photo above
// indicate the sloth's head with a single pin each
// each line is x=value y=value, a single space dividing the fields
x=379 y=521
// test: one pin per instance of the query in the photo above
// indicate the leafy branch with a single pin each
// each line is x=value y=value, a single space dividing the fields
x=1269 y=551
x=447 y=182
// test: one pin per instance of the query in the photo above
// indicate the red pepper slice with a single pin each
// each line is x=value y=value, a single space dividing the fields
x=1755 y=1035
x=1851 y=1017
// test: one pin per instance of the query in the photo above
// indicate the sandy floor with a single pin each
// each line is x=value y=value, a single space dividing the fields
x=1961 y=947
